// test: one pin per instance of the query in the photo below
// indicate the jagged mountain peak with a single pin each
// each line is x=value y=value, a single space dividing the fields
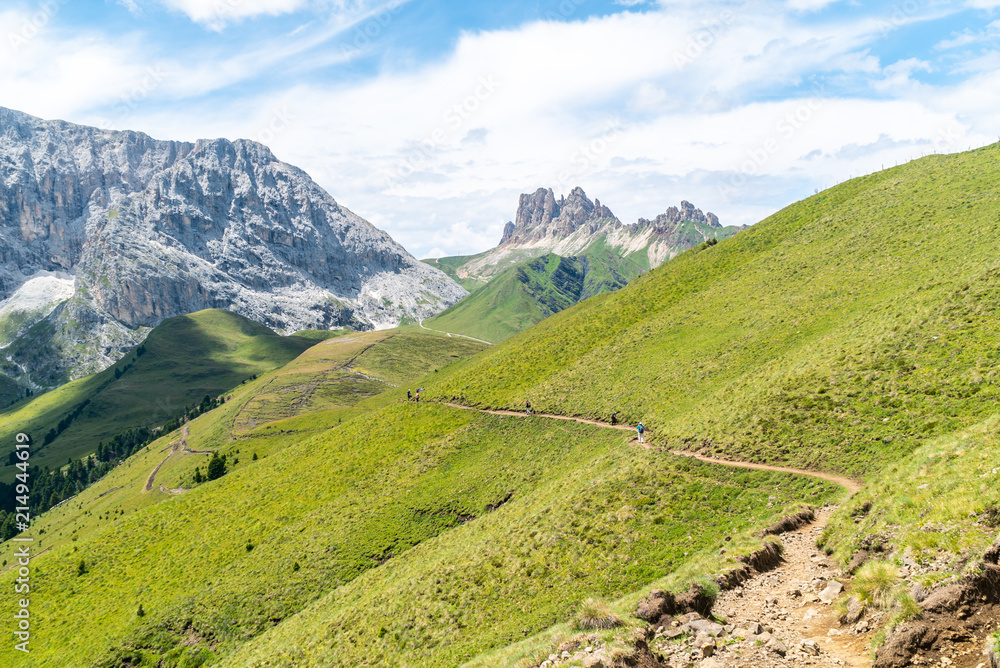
x=541 y=216
x=572 y=223
x=151 y=229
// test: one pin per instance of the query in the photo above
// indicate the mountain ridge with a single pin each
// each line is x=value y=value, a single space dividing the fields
x=572 y=224
x=147 y=229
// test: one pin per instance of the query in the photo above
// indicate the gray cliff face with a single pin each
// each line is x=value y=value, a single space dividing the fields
x=572 y=224
x=540 y=217
x=146 y=229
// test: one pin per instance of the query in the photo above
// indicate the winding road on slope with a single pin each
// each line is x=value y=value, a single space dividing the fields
x=850 y=484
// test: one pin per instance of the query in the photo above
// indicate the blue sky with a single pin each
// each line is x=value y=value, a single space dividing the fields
x=430 y=118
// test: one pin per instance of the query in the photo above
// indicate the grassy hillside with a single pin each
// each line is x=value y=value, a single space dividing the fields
x=450 y=266
x=183 y=359
x=516 y=299
x=529 y=292
x=854 y=331
x=464 y=531
x=844 y=329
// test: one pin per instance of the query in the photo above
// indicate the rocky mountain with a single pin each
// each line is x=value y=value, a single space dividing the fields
x=105 y=234
x=574 y=225
x=559 y=252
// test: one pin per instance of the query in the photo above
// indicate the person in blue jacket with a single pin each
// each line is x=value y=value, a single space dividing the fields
x=641 y=431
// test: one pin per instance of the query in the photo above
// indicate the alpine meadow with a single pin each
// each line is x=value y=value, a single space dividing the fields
x=852 y=333
x=533 y=334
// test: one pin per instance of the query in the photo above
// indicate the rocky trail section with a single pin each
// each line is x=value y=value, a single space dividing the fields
x=774 y=611
x=777 y=609
x=783 y=617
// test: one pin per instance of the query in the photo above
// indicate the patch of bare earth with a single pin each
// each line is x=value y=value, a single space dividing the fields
x=780 y=617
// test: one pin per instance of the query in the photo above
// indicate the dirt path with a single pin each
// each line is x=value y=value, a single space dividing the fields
x=786 y=601
x=31 y=557
x=152 y=476
x=179 y=446
x=449 y=334
x=851 y=485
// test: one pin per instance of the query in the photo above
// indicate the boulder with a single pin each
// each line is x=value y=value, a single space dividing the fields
x=775 y=646
x=944 y=600
x=705 y=627
x=704 y=646
x=855 y=611
x=831 y=592
x=810 y=647
x=860 y=558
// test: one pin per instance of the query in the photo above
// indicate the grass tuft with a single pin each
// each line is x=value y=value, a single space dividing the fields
x=875 y=584
x=595 y=615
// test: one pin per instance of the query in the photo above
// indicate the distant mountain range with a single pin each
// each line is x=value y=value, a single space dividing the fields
x=105 y=234
x=559 y=252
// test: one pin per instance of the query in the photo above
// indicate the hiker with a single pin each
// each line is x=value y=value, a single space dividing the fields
x=641 y=430
x=527 y=407
x=614 y=418
x=409 y=396
x=417 y=396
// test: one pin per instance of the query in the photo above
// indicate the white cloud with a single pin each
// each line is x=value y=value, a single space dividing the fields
x=734 y=108
x=217 y=13
x=809 y=5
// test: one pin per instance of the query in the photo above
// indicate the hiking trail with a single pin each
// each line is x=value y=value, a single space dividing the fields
x=850 y=484
x=178 y=446
x=785 y=600
x=449 y=334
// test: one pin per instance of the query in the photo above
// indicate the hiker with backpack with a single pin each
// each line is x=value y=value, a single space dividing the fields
x=614 y=418
x=409 y=396
x=641 y=431
x=527 y=407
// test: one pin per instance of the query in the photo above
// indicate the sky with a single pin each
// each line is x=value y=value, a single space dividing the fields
x=429 y=119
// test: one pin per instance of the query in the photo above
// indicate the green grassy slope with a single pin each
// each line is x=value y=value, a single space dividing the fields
x=421 y=512
x=126 y=523
x=516 y=299
x=842 y=330
x=185 y=358
x=450 y=266
x=942 y=500
x=531 y=290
